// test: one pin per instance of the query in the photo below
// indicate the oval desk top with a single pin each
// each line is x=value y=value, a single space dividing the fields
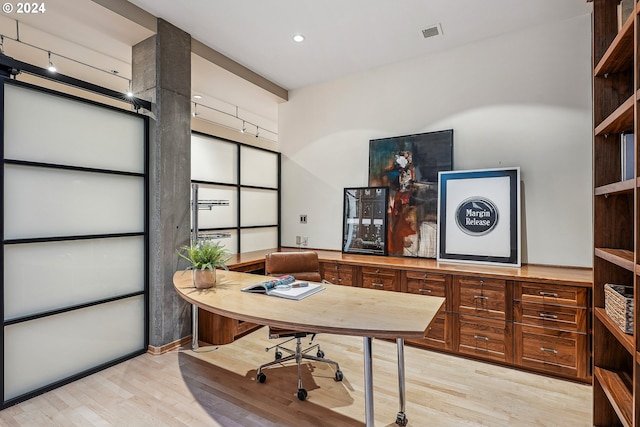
x=342 y=310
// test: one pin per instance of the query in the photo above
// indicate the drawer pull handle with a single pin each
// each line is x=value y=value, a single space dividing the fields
x=378 y=285
x=425 y=276
x=336 y=279
x=425 y=291
x=481 y=337
x=377 y=270
x=548 y=294
x=548 y=316
x=549 y=350
x=480 y=297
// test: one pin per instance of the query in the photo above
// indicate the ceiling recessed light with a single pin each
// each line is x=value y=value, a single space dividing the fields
x=298 y=38
x=197 y=96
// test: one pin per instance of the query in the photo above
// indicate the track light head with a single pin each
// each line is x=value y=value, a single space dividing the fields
x=244 y=127
x=51 y=67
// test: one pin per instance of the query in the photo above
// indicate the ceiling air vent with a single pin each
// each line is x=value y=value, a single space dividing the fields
x=432 y=31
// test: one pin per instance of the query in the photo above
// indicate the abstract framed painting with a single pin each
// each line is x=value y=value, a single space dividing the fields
x=479 y=212
x=409 y=166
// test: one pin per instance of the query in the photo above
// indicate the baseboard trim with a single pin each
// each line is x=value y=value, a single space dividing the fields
x=168 y=347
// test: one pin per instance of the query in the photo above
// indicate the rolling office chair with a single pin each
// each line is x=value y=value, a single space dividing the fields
x=302 y=265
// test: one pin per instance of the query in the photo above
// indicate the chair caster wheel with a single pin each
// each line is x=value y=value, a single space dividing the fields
x=261 y=378
x=320 y=353
x=302 y=394
x=401 y=419
x=278 y=355
x=339 y=375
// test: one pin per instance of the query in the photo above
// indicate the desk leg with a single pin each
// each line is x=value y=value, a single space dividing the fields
x=194 y=327
x=401 y=418
x=368 y=383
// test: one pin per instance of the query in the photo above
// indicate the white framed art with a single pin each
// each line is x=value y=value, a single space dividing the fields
x=479 y=216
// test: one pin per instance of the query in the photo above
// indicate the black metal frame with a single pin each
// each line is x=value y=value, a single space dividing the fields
x=10 y=67
x=238 y=186
x=7 y=70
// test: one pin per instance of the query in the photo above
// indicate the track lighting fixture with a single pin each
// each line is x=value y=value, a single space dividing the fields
x=245 y=123
x=51 y=67
x=129 y=91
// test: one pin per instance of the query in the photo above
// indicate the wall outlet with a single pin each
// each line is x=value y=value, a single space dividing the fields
x=304 y=241
x=303 y=219
x=298 y=240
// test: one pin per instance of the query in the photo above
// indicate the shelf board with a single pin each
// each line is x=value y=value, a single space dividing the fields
x=618 y=388
x=620 y=257
x=619 y=121
x=619 y=55
x=616 y=187
x=625 y=339
x=208 y=204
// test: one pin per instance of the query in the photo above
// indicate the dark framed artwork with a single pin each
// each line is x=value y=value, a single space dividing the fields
x=479 y=214
x=364 y=229
x=409 y=166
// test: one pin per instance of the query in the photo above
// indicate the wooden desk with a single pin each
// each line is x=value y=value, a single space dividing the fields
x=337 y=310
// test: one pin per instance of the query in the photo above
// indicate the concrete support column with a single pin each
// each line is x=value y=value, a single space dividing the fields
x=162 y=74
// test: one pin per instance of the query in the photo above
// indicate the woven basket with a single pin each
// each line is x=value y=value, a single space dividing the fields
x=618 y=303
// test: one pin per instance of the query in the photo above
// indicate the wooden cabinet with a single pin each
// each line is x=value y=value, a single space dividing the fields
x=616 y=47
x=485 y=338
x=482 y=297
x=338 y=274
x=385 y=279
x=551 y=328
x=218 y=330
x=432 y=284
x=534 y=317
x=483 y=308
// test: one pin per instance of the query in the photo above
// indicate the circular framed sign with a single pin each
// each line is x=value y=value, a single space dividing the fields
x=476 y=216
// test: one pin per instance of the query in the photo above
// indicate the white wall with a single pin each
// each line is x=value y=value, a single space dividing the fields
x=523 y=99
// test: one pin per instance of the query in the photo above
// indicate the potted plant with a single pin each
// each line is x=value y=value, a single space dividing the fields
x=204 y=257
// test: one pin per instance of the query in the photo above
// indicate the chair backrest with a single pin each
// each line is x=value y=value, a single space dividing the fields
x=303 y=265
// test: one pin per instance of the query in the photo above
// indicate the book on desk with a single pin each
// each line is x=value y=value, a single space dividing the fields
x=285 y=287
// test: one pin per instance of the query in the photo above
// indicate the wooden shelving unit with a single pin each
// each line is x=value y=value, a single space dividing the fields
x=616 y=110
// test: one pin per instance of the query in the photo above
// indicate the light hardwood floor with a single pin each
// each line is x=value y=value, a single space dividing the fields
x=216 y=387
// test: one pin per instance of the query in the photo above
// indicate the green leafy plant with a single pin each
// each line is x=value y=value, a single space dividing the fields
x=205 y=255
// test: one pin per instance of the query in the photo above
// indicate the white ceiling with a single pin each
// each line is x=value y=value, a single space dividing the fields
x=346 y=36
x=342 y=37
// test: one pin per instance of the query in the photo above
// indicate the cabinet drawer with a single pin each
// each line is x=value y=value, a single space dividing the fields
x=436 y=336
x=380 y=278
x=436 y=331
x=482 y=297
x=485 y=338
x=546 y=293
x=554 y=351
x=551 y=316
x=338 y=274
x=426 y=283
